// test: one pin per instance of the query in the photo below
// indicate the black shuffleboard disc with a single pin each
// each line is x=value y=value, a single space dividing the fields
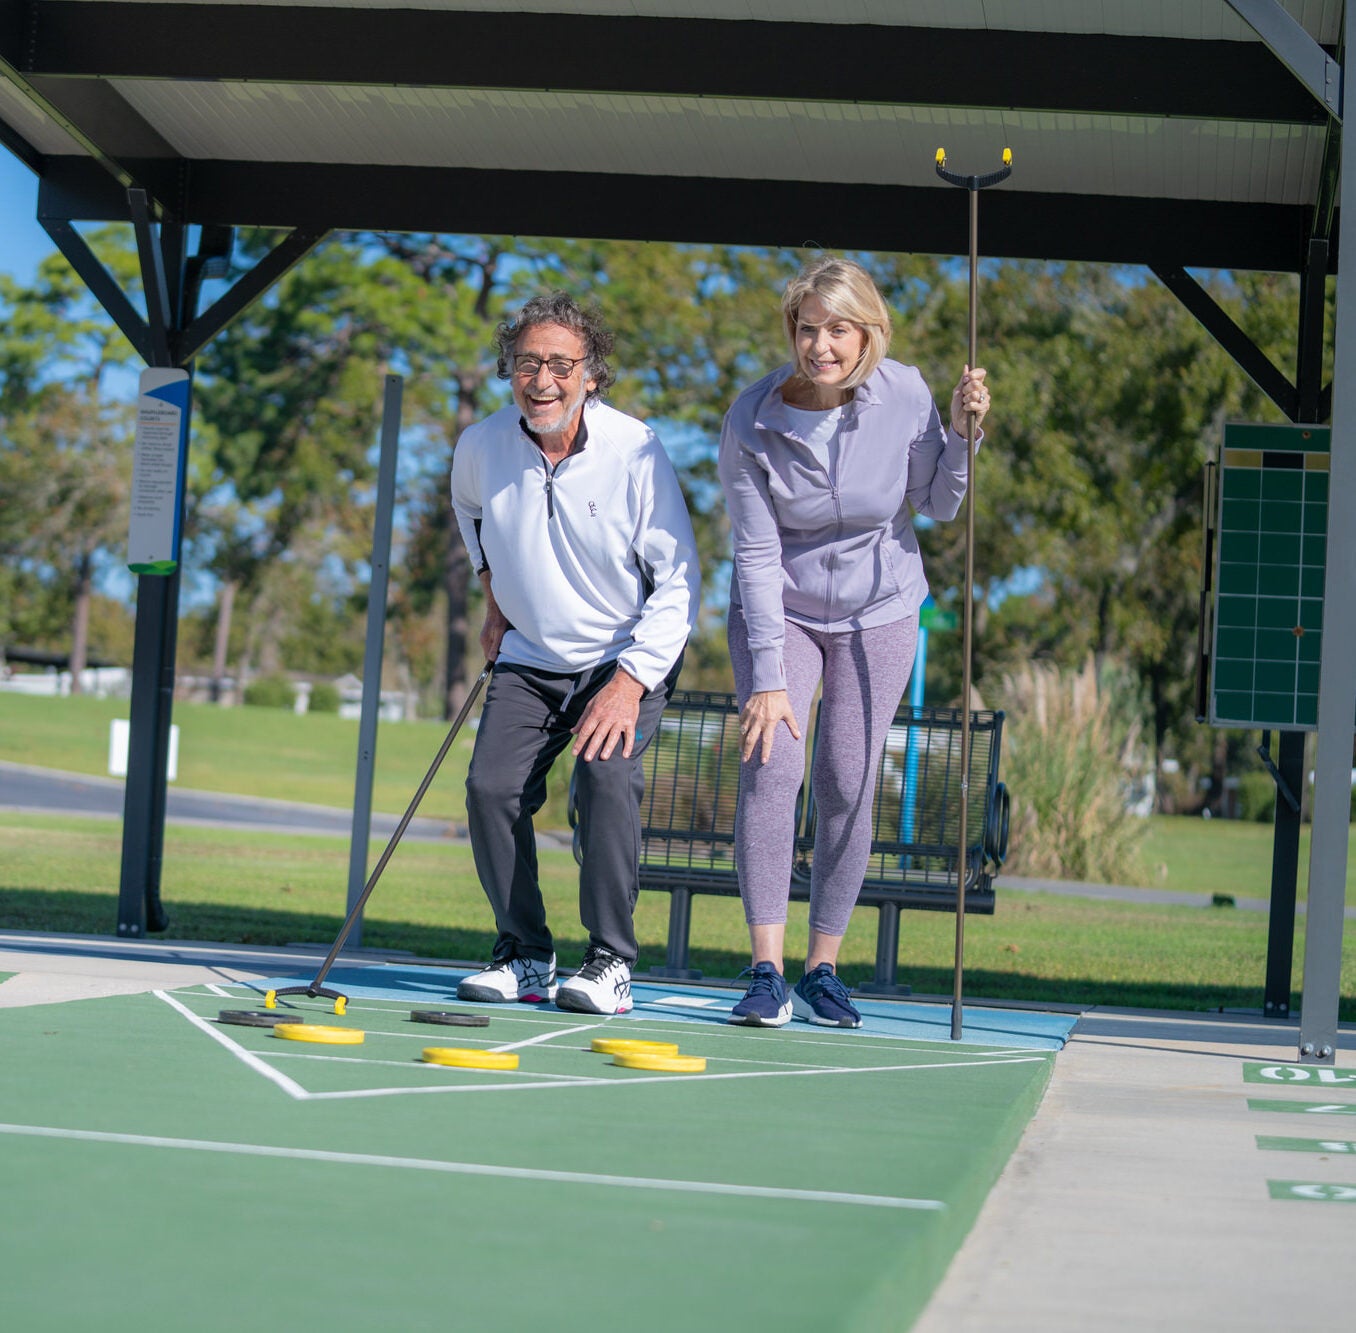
x=449 y=1018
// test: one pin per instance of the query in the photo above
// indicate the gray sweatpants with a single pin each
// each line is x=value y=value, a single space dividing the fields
x=524 y=726
x=864 y=674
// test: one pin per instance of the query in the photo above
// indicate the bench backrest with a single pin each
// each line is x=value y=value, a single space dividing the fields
x=692 y=787
x=917 y=801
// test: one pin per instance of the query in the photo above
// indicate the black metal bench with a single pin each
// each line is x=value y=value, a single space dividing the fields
x=688 y=815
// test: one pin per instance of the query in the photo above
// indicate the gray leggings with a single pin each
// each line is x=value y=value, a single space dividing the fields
x=864 y=674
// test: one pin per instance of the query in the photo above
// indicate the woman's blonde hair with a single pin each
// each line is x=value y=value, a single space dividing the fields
x=848 y=291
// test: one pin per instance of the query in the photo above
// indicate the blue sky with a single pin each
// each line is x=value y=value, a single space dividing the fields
x=22 y=242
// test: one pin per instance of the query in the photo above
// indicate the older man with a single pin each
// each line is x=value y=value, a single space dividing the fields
x=572 y=513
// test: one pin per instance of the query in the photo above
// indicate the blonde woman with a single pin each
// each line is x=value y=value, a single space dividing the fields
x=823 y=462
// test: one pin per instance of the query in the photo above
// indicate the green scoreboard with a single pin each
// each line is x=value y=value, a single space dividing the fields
x=1270 y=538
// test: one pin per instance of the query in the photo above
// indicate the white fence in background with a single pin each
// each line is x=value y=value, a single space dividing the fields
x=101 y=682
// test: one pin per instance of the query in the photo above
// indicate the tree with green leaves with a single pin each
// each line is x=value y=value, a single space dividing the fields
x=65 y=447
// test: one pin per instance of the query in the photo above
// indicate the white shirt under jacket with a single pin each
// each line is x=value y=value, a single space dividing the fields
x=593 y=562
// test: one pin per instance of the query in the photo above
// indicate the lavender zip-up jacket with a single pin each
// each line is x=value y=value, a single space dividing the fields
x=834 y=552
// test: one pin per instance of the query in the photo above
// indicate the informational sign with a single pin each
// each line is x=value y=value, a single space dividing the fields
x=158 y=472
x=1271 y=522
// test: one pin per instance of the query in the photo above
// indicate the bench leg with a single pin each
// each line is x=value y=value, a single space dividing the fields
x=680 y=924
x=887 y=955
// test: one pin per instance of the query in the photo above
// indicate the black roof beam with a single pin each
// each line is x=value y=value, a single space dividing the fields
x=101 y=284
x=159 y=315
x=1085 y=73
x=364 y=197
x=1292 y=45
x=290 y=251
x=1106 y=229
x=1246 y=354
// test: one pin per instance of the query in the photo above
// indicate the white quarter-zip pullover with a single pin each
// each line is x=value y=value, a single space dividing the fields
x=591 y=561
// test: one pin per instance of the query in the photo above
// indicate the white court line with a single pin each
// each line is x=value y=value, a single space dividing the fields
x=788 y=1066
x=253 y=1061
x=479 y=1037
x=479 y=1168
x=412 y=1064
x=663 y=1024
x=619 y=1082
x=553 y=1081
x=547 y=1036
x=220 y=991
x=299 y=1093
x=545 y=1014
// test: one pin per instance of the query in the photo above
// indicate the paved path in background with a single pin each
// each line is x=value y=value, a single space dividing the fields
x=25 y=787
x=51 y=791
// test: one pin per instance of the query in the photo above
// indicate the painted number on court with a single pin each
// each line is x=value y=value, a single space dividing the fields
x=1312 y=1191
x=1260 y=1073
x=1276 y=1143
x=1303 y=1108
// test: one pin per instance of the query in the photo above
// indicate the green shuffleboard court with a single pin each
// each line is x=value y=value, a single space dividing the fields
x=168 y=1170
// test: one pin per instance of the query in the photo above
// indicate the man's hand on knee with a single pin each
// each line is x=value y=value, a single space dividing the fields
x=610 y=717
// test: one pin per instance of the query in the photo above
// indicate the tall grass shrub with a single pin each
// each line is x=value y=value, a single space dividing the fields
x=1071 y=756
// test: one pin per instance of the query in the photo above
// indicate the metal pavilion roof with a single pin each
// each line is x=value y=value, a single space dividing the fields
x=1155 y=133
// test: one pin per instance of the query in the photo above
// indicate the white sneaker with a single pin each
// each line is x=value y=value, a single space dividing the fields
x=527 y=979
x=601 y=986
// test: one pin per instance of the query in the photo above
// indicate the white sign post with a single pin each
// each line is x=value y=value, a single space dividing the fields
x=119 y=741
x=158 y=472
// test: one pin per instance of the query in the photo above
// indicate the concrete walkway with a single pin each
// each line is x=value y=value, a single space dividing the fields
x=1139 y=1198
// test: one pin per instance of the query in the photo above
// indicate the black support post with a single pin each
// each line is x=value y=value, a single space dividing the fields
x=1311 y=404
x=169 y=336
x=1284 y=876
x=163 y=266
x=143 y=816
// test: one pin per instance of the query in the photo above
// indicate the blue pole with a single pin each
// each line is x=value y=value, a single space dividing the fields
x=916 y=684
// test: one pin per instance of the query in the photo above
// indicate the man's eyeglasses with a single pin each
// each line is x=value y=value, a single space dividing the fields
x=561 y=367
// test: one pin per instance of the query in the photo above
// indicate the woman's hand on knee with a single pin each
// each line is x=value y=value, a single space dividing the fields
x=759 y=719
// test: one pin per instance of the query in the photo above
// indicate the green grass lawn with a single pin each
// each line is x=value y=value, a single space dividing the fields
x=269 y=752
x=275 y=753
x=1221 y=856
x=61 y=874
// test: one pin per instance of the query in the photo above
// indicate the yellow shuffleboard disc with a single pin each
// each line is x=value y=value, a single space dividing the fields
x=664 y=1064
x=330 y=1036
x=632 y=1046
x=466 y=1057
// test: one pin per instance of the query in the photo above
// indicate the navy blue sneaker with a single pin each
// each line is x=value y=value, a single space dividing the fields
x=821 y=998
x=767 y=1002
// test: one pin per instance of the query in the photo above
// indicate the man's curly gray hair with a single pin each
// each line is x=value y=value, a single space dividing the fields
x=561 y=308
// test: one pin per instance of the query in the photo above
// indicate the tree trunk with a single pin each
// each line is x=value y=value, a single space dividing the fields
x=223 y=636
x=1219 y=770
x=457 y=576
x=80 y=620
x=457 y=582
